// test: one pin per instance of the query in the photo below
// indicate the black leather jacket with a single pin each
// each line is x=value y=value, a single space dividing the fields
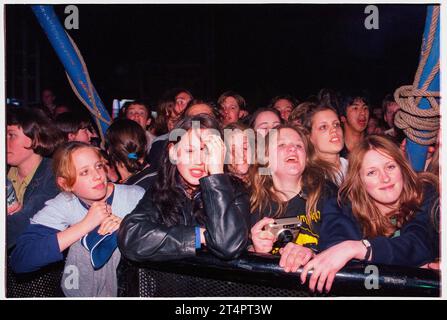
x=143 y=235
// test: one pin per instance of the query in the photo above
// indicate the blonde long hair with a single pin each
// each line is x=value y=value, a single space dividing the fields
x=373 y=222
x=263 y=188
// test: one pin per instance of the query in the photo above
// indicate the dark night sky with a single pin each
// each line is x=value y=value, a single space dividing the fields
x=258 y=50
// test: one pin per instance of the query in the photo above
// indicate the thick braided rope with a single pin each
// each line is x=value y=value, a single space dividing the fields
x=89 y=87
x=97 y=118
x=419 y=125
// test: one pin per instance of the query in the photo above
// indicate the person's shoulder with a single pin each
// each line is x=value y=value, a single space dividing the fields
x=62 y=199
x=150 y=137
x=45 y=170
x=57 y=209
x=430 y=192
x=46 y=162
x=63 y=203
x=145 y=178
x=335 y=207
x=238 y=184
x=161 y=138
x=129 y=189
x=126 y=197
x=429 y=188
x=330 y=189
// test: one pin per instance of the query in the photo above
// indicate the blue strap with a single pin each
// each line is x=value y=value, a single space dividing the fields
x=198 y=243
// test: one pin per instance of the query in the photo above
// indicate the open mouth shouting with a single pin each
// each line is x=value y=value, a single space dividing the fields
x=292 y=159
x=362 y=122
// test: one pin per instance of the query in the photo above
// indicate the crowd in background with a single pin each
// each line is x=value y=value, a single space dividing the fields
x=334 y=162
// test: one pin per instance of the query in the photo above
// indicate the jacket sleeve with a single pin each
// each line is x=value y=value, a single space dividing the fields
x=337 y=225
x=227 y=211
x=142 y=235
x=413 y=246
x=36 y=248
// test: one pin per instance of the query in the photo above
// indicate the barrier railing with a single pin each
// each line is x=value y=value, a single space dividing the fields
x=252 y=275
x=256 y=275
x=45 y=283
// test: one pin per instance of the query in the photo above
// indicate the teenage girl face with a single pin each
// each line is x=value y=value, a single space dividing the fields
x=17 y=146
x=382 y=177
x=190 y=155
x=239 y=153
x=91 y=177
x=326 y=134
x=287 y=154
x=265 y=121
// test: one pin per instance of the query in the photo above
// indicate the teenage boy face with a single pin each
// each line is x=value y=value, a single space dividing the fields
x=230 y=110
x=357 y=115
x=139 y=114
x=18 y=146
x=284 y=107
x=391 y=110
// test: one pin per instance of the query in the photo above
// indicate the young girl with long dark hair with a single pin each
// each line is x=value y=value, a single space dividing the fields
x=192 y=204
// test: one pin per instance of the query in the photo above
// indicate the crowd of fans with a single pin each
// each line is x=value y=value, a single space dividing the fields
x=217 y=176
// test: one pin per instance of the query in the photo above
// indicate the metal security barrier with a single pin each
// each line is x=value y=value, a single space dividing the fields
x=45 y=283
x=252 y=275
x=256 y=275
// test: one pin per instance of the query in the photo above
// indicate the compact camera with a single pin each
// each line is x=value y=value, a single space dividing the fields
x=285 y=229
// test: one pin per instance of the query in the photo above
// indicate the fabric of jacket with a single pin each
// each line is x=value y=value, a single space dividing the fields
x=143 y=236
x=41 y=188
x=413 y=247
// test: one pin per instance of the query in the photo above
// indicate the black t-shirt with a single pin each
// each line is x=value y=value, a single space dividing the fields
x=296 y=207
